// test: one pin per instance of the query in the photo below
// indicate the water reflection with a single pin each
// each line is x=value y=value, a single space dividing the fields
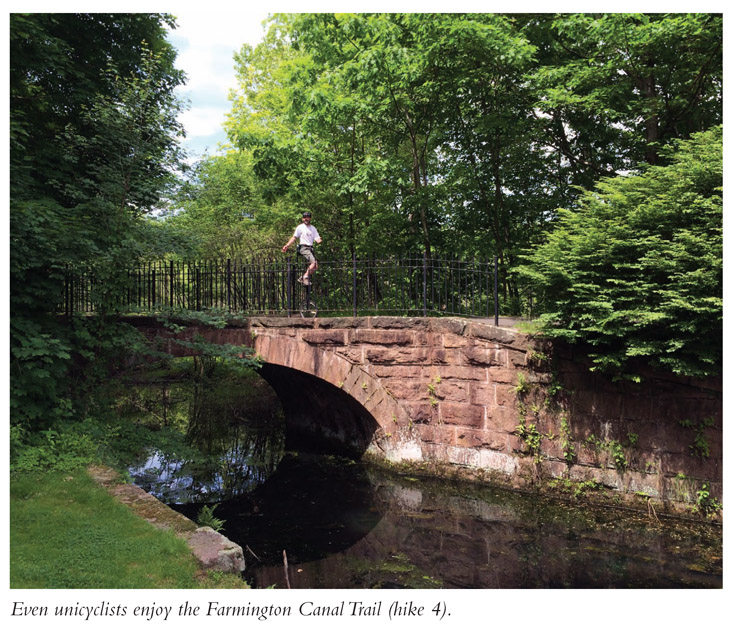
x=343 y=524
x=426 y=534
x=233 y=428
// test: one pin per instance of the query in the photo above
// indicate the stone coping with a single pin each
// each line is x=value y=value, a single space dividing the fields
x=212 y=550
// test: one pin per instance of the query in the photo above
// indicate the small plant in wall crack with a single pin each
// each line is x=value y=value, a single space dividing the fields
x=700 y=446
x=569 y=453
x=705 y=504
x=523 y=386
x=530 y=436
x=617 y=451
x=432 y=391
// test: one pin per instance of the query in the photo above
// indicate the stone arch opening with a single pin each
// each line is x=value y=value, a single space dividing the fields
x=319 y=416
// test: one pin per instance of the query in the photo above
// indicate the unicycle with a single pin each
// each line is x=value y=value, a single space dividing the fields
x=308 y=306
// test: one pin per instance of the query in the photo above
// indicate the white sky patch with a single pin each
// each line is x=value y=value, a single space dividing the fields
x=206 y=44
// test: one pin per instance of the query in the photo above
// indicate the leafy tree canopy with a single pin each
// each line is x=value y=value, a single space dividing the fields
x=635 y=273
x=93 y=147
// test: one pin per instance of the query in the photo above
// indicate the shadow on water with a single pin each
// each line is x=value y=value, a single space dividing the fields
x=344 y=524
x=426 y=533
x=311 y=507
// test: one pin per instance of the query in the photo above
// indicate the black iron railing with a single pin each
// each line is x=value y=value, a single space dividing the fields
x=415 y=285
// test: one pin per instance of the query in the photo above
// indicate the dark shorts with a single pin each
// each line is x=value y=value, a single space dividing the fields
x=307 y=253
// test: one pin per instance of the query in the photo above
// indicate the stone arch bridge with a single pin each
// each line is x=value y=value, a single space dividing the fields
x=483 y=399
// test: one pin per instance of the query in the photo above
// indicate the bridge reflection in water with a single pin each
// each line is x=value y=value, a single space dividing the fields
x=346 y=524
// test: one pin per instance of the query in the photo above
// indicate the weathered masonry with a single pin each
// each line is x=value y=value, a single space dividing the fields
x=490 y=400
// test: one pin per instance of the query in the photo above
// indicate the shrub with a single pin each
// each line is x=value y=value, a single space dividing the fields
x=636 y=271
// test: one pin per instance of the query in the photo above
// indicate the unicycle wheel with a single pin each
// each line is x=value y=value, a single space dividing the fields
x=309 y=309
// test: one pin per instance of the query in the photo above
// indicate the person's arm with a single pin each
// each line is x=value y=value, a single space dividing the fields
x=291 y=241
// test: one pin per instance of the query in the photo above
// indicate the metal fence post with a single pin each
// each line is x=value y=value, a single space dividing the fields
x=289 y=288
x=354 y=284
x=496 y=294
x=425 y=284
x=170 y=289
x=229 y=284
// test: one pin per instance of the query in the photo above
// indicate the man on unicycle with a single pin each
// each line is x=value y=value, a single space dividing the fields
x=307 y=235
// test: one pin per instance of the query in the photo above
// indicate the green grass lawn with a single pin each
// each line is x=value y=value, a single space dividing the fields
x=67 y=532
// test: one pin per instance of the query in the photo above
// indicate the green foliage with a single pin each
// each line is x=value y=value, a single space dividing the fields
x=700 y=445
x=93 y=146
x=531 y=437
x=616 y=451
x=619 y=86
x=50 y=450
x=705 y=504
x=574 y=488
x=636 y=272
x=569 y=453
x=454 y=132
x=206 y=518
x=523 y=386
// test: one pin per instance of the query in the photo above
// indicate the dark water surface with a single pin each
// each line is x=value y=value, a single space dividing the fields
x=346 y=525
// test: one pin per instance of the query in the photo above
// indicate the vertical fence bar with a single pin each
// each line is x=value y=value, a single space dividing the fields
x=425 y=278
x=170 y=284
x=151 y=305
x=198 y=288
x=354 y=284
x=496 y=294
x=229 y=284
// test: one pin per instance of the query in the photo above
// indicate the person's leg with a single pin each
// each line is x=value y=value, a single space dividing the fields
x=312 y=268
x=308 y=255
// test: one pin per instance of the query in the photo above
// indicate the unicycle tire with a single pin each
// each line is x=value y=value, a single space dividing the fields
x=309 y=309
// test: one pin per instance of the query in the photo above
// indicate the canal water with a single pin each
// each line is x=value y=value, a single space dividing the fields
x=307 y=521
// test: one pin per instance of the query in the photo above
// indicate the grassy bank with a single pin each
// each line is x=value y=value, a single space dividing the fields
x=67 y=532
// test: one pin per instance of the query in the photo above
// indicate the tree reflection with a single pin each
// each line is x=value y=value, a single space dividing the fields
x=233 y=426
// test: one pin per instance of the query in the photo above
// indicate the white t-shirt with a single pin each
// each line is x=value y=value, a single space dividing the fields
x=306 y=235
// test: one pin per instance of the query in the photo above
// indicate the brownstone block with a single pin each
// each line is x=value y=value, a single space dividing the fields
x=484 y=356
x=343 y=322
x=421 y=413
x=383 y=337
x=353 y=355
x=398 y=356
x=403 y=372
x=483 y=394
x=471 y=438
x=448 y=326
x=461 y=372
x=442 y=356
x=410 y=323
x=455 y=341
x=502 y=419
x=468 y=415
x=695 y=467
x=497 y=334
x=452 y=391
x=502 y=375
x=406 y=389
x=437 y=434
x=325 y=337
x=517 y=358
x=506 y=395
x=423 y=339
